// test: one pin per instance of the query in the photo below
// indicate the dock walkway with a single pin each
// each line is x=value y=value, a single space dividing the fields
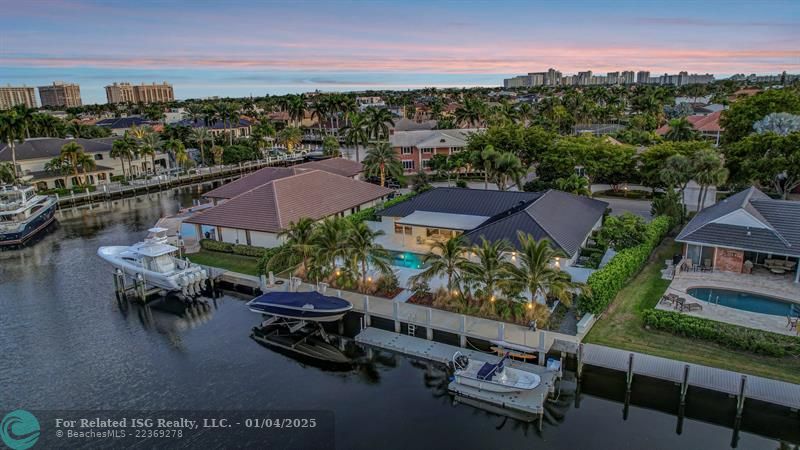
x=720 y=380
x=530 y=402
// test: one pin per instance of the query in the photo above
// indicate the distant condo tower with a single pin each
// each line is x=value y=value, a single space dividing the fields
x=61 y=94
x=11 y=96
x=139 y=93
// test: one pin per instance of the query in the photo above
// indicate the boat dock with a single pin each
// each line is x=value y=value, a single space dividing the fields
x=735 y=384
x=527 y=402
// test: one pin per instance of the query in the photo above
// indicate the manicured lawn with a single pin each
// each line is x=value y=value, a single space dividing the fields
x=621 y=327
x=229 y=261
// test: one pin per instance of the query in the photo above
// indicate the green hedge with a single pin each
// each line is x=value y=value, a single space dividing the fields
x=608 y=281
x=227 y=247
x=370 y=213
x=726 y=335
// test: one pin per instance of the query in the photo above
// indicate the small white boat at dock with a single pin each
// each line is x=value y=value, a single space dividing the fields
x=492 y=377
x=154 y=261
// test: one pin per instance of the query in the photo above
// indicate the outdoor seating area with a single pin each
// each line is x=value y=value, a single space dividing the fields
x=680 y=303
x=779 y=266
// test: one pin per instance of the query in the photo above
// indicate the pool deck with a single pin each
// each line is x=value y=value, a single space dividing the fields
x=766 y=284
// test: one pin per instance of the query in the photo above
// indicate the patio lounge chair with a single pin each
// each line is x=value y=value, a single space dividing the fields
x=692 y=307
x=669 y=299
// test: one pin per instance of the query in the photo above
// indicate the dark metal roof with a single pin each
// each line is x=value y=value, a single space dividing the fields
x=37 y=148
x=476 y=202
x=116 y=123
x=217 y=124
x=780 y=217
x=564 y=219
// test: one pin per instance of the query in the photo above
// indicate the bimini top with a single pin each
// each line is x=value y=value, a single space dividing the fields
x=302 y=300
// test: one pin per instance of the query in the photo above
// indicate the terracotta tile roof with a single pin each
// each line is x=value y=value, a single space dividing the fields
x=252 y=181
x=339 y=166
x=703 y=123
x=315 y=194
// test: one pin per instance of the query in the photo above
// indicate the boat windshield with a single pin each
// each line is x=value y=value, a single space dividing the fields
x=162 y=264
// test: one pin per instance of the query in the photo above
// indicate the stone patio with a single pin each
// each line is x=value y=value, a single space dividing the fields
x=760 y=282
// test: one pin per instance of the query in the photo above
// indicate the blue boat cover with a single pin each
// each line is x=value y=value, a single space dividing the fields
x=300 y=299
x=489 y=370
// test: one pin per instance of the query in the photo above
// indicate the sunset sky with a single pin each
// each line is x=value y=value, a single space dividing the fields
x=231 y=48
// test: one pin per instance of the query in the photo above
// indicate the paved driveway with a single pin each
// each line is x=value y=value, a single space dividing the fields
x=623 y=205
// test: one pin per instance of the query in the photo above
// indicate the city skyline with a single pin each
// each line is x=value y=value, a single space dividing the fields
x=242 y=49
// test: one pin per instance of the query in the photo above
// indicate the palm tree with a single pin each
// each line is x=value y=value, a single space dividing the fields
x=536 y=274
x=445 y=258
x=297 y=249
x=363 y=251
x=378 y=121
x=492 y=268
x=86 y=162
x=680 y=130
x=508 y=168
x=708 y=169
x=149 y=145
x=7 y=173
x=381 y=159
x=11 y=130
x=319 y=110
x=71 y=152
x=121 y=149
x=357 y=132
x=471 y=113
x=485 y=160
x=574 y=184
x=295 y=105
x=201 y=136
x=178 y=151
x=329 y=240
x=78 y=130
x=290 y=137
x=25 y=118
x=217 y=151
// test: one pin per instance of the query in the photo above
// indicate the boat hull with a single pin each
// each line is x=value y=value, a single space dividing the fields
x=168 y=282
x=299 y=314
x=34 y=226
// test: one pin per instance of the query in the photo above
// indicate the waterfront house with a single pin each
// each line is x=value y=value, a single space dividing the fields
x=338 y=166
x=220 y=127
x=119 y=125
x=566 y=220
x=416 y=148
x=34 y=154
x=747 y=232
x=256 y=216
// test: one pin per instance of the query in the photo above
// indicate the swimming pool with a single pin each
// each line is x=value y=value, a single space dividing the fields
x=406 y=259
x=746 y=301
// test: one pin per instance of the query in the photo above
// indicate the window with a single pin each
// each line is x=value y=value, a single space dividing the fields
x=406 y=150
x=402 y=229
x=427 y=150
x=426 y=163
x=101 y=176
x=455 y=149
x=408 y=165
x=98 y=156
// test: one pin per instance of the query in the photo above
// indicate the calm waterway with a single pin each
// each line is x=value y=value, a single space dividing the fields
x=67 y=343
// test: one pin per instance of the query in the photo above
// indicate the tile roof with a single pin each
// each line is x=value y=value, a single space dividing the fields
x=315 y=194
x=340 y=166
x=708 y=123
x=251 y=181
x=780 y=233
x=476 y=202
x=562 y=218
x=37 y=148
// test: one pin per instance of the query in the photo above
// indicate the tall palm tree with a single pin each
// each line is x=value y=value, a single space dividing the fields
x=535 y=272
x=485 y=160
x=708 y=169
x=329 y=239
x=25 y=118
x=7 y=173
x=378 y=121
x=298 y=247
x=381 y=159
x=86 y=162
x=508 y=169
x=363 y=251
x=471 y=112
x=201 y=136
x=78 y=130
x=492 y=269
x=149 y=145
x=12 y=130
x=447 y=258
x=357 y=132
x=319 y=110
x=71 y=152
x=290 y=137
x=295 y=105
x=121 y=149
x=178 y=151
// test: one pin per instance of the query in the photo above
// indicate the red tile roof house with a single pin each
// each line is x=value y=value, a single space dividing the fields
x=707 y=125
x=261 y=211
x=416 y=148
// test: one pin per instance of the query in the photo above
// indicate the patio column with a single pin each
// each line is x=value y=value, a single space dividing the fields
x=797 y=274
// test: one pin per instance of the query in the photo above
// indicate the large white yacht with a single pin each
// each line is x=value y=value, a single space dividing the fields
x=156 y=262
x=23 y=214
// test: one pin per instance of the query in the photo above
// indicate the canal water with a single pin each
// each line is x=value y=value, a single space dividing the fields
x=67 y=343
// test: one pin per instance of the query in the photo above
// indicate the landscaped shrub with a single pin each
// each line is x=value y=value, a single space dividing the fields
x=227 y=247
x=248 y=250
x=726 y=335
x=216 y=246
x=606 y=282
x=369 y=213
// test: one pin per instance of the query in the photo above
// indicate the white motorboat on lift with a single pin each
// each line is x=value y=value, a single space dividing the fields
x=156 y=263
x=492 y=377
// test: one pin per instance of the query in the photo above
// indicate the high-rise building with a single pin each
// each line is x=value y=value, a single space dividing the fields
x=11 y=96
x=627 y=77
x=552 y=77
x=139 y=93
x=61 y=94
x=612 y=78
x=643 y=77
x=584 y=78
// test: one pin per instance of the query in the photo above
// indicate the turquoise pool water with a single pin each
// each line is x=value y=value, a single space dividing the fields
x=746 y=301
x=407 y=259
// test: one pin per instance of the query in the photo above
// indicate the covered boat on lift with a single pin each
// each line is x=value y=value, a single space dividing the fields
x=307 y=306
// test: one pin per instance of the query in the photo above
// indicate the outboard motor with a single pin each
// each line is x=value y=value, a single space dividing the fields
x=460 y=361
